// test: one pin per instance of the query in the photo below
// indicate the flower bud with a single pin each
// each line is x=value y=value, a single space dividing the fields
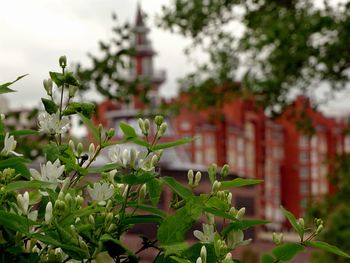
x=319 y=229
x=61 y=195
x=108 y=219
x=146 y=122
x=142 y=125
x=199 y=260
x=91 y=220
x=48 y=86
x=72 y=90
x=216 y=186
x=110 y=133
x=277 y=238
x=229 y=198
x=162 y=129
x=125 y=157
x=197 y=178
x=71 y=145
x=212 y=172
x=132 y=157
x=225 y=170
x=68 y=198
x=48 y=212
x=203 y=254
x=63 y=61
x=142 y=193
x=301 y=223
x=111 y=228
x=2 y=117
x=79 y=200
x=158 y=120
x=240 y=213
x=80 y=149
x=91 y=151
x=190 y=177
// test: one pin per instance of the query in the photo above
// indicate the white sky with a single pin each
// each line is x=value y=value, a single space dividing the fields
x=33 y=34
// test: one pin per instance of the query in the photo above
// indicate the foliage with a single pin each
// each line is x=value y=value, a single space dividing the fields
x=335 y=209
x=263 y=48
x=58 y=214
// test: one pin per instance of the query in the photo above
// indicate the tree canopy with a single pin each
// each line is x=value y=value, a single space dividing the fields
x=270 y=47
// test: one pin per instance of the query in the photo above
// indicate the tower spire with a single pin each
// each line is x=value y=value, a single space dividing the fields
x=139 y=16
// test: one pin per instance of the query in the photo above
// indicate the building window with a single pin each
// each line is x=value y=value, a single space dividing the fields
x=303 y=156
x=185 y=125
x=209 y=140
x=210 y=155
x=303 y=141
x=199 y=157
x=198 y=141
x=304 y=187
x=304 y=172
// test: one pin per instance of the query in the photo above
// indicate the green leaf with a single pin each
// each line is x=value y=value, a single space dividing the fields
x=15 y=222
x=57 y=77
x=327 y=247
x=91 y=127
x=69 y=79
x=288 y=251
x=16 y=163
x=86 y=109
x=4 y=88
x=105 y=168
x=293 y=222
x=215 y=202
x=49 y=106
x=128 y=131
x=175 y=249
x=219 y=213
x=139 y=219
x=24 y=132
x=267 y=259
x=132 y=179
x=115 y=247
x=53 y=151
x=175 y=226
x=147 y=208
x=154 y=190
x=74 y=251
x=17 y=185
x=177 y=187
x=170 y=144
x=239 y=182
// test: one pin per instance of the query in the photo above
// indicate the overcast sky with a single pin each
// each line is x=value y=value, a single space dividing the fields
x=33 y=34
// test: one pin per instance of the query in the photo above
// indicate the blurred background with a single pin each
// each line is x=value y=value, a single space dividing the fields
x=263 y=85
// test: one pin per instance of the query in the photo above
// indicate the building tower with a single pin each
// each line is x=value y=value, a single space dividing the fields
x=143 y=60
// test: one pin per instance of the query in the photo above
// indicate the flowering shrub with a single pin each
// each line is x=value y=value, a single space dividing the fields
x=56 y=215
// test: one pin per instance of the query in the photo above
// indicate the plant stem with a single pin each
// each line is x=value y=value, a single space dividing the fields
x=60 y=112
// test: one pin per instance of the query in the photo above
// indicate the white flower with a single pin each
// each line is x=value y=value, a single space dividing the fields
x=114 y=155
x=23 y=202
x=9 y=145
x=51 y=123
x=236 y=238
x=207 y=235
x=50 y=172
x=33 y=215
x=101 y=192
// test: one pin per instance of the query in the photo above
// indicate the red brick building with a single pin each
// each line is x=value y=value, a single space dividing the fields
x=292 y=164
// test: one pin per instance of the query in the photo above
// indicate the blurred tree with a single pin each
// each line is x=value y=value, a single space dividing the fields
x=263 y=48
x=109 y=72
